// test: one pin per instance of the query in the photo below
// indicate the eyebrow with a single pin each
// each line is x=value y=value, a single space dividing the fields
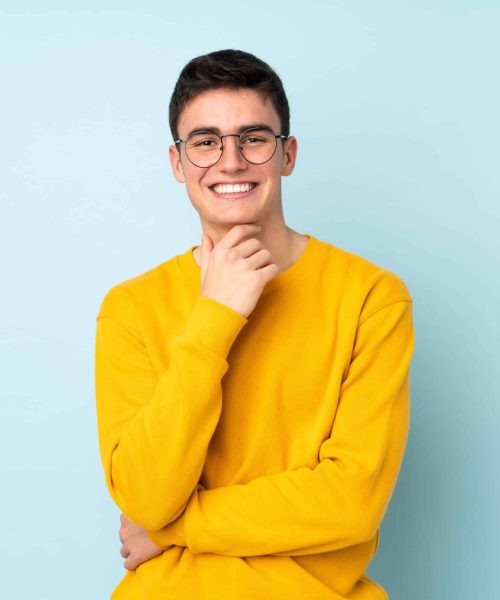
x=218 y=131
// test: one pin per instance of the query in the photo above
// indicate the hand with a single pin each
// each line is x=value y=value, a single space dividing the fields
x=137 y=547
x=234 y=272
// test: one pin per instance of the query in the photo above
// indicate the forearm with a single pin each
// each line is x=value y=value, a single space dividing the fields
x=154 y=432
x=300 y=512
x=342 y=501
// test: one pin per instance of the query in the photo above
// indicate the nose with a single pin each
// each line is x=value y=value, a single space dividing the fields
x=231 y=159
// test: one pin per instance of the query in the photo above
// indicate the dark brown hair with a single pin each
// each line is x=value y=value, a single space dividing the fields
x=228 y=69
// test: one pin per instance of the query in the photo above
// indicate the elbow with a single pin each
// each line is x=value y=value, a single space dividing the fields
x=144 y=513
x=143 y=516
x=147 y=501
x=160 y=519
x=369 y=507
x=368 y=523
x=142 y=500
x=366 y=532
x=143 y=506
x=360 y=530
x=152 y=522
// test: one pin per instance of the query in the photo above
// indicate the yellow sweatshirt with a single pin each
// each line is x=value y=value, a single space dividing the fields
x=261 y=453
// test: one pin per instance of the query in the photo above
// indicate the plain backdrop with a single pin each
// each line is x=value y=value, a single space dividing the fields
x=396 y=109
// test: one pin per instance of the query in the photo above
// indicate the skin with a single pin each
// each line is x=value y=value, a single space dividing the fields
x=136 y=545
x=245 y=241
x=275 y=243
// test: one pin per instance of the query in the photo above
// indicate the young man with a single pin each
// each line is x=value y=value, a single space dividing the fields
x=253 y=392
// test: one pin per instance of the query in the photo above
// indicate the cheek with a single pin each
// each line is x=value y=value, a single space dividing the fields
x=194 y=187
x=274 y=178
x=192 y=177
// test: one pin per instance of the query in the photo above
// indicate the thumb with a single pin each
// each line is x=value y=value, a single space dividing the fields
x=206 y=248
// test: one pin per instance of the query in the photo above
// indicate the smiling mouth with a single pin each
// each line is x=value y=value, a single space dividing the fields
x=227 y=189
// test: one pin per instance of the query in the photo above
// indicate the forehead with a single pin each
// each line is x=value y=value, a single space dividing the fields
x=228 y=109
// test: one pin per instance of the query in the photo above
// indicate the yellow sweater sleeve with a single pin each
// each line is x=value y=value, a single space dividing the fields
x=340 y=502
x=154 y=430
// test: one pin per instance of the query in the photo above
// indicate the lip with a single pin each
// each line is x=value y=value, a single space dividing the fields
x=235 y=195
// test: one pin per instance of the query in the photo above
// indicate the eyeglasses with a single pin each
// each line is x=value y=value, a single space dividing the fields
x=257 y=145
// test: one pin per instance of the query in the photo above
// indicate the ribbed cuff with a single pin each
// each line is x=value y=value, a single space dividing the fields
x=213 y=325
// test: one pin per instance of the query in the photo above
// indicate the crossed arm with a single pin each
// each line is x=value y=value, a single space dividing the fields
x=340 y=502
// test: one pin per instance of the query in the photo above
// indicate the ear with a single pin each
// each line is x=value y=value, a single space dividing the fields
x=175 y=162
x=289 y=155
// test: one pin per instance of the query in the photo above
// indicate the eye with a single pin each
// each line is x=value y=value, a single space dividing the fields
x=204 y=143
x=258 y=137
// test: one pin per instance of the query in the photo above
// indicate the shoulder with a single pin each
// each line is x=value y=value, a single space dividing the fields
x=369 y=285
x=124 y=298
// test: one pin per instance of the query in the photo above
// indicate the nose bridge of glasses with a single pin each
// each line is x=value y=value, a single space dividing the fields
x=236 y=135
x=237 y=141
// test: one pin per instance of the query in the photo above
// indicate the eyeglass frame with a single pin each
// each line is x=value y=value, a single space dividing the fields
x=238 y=135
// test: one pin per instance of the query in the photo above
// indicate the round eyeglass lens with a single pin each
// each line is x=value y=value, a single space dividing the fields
x=258 y=145
x=204 y=148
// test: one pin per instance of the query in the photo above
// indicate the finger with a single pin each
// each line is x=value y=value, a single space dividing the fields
x=269 y=271
x=124 y=551
x=237 y=233
x=130 y=564
x=123 y=526
x=204 y=255
x=206 y=249
x=124 y=520
x=260 y=259
x=249 y=247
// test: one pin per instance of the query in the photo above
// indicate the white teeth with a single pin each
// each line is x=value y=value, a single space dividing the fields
x=233 y=189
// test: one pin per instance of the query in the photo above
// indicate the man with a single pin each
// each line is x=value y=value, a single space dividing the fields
x=253 y=392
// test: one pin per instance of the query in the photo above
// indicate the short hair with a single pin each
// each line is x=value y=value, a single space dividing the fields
x=230 y=69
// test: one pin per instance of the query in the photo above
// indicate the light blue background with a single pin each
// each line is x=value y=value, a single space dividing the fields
x=395 y=107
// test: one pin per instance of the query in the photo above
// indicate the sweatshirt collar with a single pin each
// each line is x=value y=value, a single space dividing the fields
x=190 y=269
